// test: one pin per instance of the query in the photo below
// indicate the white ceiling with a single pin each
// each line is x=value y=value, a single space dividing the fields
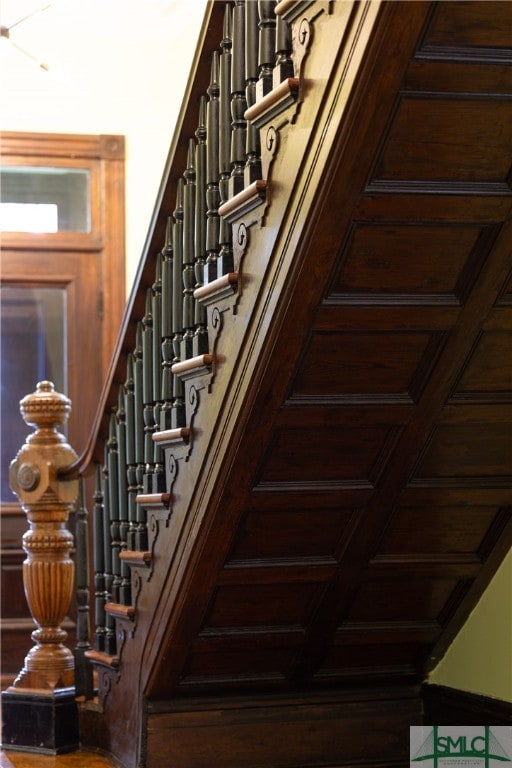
x=65 y=34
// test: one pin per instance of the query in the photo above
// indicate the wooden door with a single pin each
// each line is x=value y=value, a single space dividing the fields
x=62 y=294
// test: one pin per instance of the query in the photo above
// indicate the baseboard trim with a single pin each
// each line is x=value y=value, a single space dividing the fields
x=451 y=706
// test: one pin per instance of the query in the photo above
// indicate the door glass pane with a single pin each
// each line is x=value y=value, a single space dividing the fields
x=44 y=199
x=33 y=347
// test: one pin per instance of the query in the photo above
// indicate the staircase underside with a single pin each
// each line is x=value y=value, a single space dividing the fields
x=365 y=493
x=355 y=496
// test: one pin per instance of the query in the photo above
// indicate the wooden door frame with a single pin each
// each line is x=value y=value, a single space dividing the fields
x=103 y=156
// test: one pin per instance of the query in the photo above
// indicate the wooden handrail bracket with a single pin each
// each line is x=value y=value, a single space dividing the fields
x=103 y=659
x=217 y=289
x=194 y=366
x=246 y=200
x=135 y=558
x=275 y=102
x=119 y=611
x=153 y=499
x=167 y=436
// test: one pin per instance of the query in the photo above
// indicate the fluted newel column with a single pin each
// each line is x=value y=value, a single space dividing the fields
x=48 y=576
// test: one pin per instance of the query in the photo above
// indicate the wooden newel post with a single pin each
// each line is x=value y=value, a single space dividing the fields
x=45 y=684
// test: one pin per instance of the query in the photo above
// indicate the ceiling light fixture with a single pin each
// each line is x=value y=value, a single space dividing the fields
x=5 y=32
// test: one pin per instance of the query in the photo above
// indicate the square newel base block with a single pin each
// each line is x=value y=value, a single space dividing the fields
x=42 y=723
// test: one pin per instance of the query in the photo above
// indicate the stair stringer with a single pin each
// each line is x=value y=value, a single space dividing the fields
x=241 y=327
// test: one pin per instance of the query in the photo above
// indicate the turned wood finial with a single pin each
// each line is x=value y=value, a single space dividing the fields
x=48 y=571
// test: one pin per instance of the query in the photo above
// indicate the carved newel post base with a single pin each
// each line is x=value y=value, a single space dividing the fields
x=39 y=710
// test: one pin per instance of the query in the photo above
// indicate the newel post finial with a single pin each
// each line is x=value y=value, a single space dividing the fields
x=48 y=570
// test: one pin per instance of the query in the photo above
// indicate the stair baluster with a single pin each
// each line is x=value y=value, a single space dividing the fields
x=108 y=576
x=200 y=342
x=167 y=350
x=284 y=63
x=212 y=172
x=238 y=101
x=267 y=47
x=178 y=407
x=113 y=506
x=225 y=259
x=252 y=171
x=189 y=202
x=158 y=479
x=140 y=534
x=147 y=392
x=99 y=566
x=122 y=495
x=83 y=671
x=131 y=468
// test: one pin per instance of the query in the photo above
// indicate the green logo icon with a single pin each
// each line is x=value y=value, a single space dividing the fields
x=476 y=746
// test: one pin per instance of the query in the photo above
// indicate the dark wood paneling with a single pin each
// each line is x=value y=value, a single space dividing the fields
x=313 y=533
x=379 y=257
x=443 y=530
x=468 y=450
x=297 y=456
x=485 y=372
x=450 y=706
x=368 y=480
x=471 y=25
x=346 y=364
x=346 y=496
x=369 y=731
x=430 y=141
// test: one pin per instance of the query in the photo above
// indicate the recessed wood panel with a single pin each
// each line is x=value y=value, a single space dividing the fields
x=468 y=450
x=396 y=259
x=360 y=364
x=268 y=605
x=489 y=369
x=301 y=456
x=276 y=534
x=410 y=599
x=471 y=25
x=222 y=665
x=436 y=530
x=377 y=656
x=436 y=140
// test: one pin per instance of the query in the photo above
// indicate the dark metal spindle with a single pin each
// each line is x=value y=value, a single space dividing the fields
x=110 y=637
x=178 y=406
x=138 y=375
x=189 y=202
x=83 y=670
x=122 y=494
x=284 y=63
x=238 y=101
x=200 y=343
x=267 y=47
x=167 y=350
x=253 y=165
x=113 y=505
x=147 y=391
x=131 y=469
x=99 y=565
x=225 y=258
x=158 y=485
x=212 y=173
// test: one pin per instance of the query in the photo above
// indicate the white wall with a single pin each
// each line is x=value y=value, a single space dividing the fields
x=115 y=66
x=479 y=660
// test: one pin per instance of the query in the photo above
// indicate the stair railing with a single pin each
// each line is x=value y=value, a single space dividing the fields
x=217 y=169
